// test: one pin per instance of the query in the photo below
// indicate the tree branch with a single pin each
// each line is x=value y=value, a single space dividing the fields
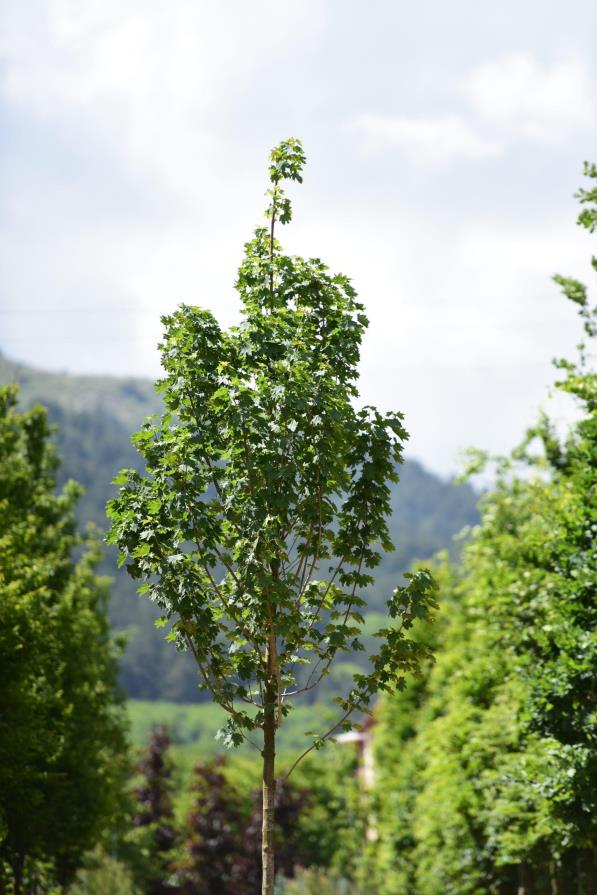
x=218 y=698
x=321 y=739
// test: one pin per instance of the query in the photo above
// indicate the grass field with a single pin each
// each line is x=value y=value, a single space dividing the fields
x=195 y=725
x=193 y=728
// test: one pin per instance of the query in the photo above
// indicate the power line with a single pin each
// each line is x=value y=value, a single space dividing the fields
x=105 y=310
x=427 y=325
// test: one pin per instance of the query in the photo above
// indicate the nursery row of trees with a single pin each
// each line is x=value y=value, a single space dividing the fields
x=488 y=763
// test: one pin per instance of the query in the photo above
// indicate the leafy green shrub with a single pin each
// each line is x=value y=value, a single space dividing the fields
x=104 y=875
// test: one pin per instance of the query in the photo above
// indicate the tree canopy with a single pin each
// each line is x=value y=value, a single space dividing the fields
x=63 y=752
x=263 y=509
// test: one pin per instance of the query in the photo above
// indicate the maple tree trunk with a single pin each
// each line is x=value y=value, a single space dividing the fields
x=269 y=792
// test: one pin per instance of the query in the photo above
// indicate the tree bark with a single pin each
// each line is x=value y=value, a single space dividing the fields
x=269 y=792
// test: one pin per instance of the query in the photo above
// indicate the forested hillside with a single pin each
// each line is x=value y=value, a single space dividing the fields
x=95 y=416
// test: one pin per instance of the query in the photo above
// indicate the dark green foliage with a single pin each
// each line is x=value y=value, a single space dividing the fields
x=95 y=416
x=63 y=755
x=492 y=788
x=263 y=509
x=390 y=866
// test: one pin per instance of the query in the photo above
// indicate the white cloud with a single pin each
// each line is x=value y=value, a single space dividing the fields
x=157 y=116
x=147 y=78
x=509 y=100
x=437 y=139
x=518 y=97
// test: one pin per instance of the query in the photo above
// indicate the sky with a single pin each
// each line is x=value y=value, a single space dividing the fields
x=444 y=142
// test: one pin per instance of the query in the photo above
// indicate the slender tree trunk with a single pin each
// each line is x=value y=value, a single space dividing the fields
x=269 y=792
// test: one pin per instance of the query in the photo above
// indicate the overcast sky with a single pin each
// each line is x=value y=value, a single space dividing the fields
x=444 y=143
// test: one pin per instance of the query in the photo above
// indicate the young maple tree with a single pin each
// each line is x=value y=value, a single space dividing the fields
x=264 y=504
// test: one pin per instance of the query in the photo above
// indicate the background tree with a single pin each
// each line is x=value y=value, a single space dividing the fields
x=155 y=814
x=222 y=850
x=63 y=755
x=265 y=502
x=494 y=785
x=215 y=860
